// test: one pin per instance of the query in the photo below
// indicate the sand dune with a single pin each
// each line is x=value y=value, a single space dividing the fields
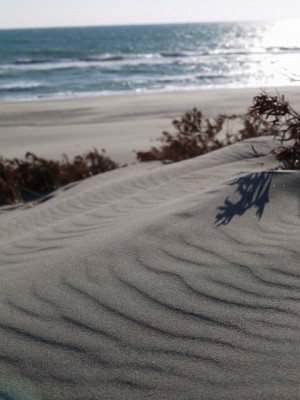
x=176 y=281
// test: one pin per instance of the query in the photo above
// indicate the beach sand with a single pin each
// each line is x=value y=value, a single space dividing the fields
x=119 y=124
x=154 y=281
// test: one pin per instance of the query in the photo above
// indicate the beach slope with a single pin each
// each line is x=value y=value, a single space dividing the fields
x=177 y=281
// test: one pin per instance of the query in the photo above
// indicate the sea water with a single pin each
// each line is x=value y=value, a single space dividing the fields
x=73 y=62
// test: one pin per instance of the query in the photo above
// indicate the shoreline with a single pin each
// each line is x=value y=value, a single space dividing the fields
x=119 y=124
x=98 y=95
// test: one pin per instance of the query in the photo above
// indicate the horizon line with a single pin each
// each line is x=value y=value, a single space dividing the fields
x=143 y=24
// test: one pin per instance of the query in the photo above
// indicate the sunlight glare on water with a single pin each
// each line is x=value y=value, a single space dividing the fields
x=283 y=34
x=284 y=37
x=79 y=62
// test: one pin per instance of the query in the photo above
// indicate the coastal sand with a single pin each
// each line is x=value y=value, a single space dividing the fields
x=119 y=124
x=177 y=281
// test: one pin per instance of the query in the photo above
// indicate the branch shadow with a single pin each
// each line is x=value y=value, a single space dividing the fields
x=254 y=192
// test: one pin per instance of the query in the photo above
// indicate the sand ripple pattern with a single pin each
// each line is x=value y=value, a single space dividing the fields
x=129 y=285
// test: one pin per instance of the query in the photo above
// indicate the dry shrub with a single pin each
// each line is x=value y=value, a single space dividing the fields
x=34 y=177
x=197 y=135
x=284 y=121
x=253 y=126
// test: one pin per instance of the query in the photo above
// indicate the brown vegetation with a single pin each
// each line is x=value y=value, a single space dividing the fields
x=197 y=135
x=284 y=123
x=34 y=177
x=29 y=179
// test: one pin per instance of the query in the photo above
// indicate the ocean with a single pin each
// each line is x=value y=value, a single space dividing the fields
x=91 y=61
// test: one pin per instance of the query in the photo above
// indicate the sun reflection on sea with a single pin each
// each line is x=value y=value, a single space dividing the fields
x=283 y=40
x=283 y=35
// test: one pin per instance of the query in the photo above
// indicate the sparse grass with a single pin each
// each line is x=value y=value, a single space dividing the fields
x=34 y=177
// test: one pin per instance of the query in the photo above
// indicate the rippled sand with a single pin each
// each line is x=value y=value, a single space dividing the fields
x=177 y=281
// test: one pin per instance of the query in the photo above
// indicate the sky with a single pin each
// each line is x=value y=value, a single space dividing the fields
x=53 y=13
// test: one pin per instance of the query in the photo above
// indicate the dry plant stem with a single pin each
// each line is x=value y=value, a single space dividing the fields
x=285 y=123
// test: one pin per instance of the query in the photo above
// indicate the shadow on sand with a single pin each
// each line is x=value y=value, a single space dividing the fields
x=253 y=191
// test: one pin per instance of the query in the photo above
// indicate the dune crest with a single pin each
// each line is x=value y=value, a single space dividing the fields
x=157 y=281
